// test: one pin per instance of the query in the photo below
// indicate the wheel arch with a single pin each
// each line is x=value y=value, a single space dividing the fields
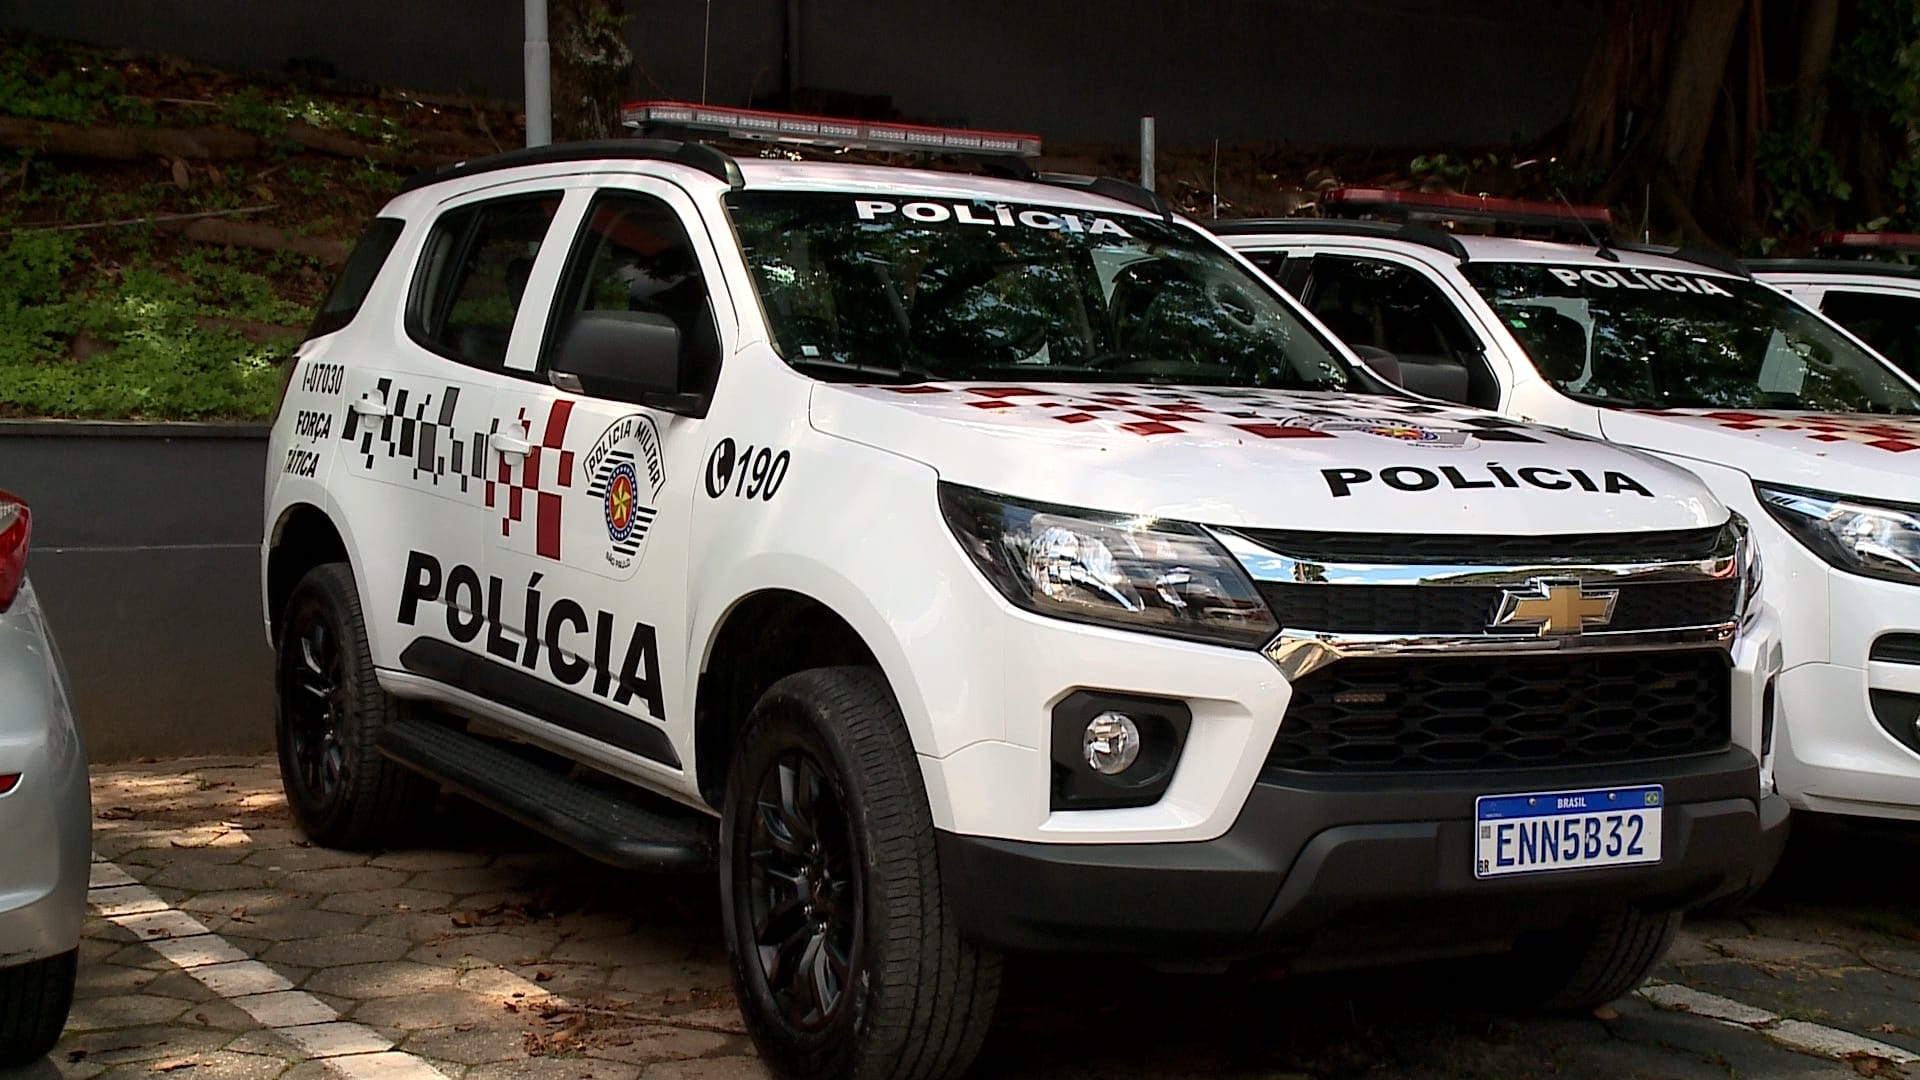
x=303 y=536
x=761 y=638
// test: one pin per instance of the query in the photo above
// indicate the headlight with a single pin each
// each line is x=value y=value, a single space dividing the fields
x=1860 y=538
x=1160 y=577
x=1752 y=571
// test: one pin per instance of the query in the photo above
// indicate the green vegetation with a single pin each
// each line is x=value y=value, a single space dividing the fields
x=141 y=344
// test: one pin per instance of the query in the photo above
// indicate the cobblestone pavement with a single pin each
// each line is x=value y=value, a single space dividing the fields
x=223 y=946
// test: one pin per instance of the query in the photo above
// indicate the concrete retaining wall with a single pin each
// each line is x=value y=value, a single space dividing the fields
x=146 y=556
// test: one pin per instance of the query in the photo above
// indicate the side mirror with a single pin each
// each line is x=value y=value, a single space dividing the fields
x=1381 y=362
x=624 y=356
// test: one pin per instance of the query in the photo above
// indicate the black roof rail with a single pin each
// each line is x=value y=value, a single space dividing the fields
x=695 y=155
x=1413 y=234
x=1713 y=260
x=1108 y=187
x=1866 y=267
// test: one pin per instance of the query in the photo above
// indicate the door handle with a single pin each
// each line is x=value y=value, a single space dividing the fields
x=509 y=445
x=371 y=406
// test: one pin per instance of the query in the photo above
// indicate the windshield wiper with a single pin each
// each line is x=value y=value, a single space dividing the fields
x=903 y=375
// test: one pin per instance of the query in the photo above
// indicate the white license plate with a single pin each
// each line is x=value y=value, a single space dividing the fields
x=1567 y=830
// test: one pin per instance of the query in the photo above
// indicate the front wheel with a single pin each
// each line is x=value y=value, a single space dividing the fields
x=1590 y=964
x=846 y=957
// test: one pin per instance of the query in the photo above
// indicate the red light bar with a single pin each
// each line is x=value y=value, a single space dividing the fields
x=8 y=781
x=827 y=131
x=1868 y=241
x=1367 y=201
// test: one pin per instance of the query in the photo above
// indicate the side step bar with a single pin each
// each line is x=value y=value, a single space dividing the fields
x=598 y=824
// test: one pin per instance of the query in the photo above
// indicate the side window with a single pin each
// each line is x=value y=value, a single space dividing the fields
x=472 y=275
x=356 y=277
x=1891 y=324
x=1373 y=304
x=633 y=254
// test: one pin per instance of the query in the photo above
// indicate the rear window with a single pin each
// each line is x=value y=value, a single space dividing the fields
x=356 y=278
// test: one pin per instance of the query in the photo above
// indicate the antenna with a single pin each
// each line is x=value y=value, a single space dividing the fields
x=1600 y=246
x=1215 y=185
x=706 y=50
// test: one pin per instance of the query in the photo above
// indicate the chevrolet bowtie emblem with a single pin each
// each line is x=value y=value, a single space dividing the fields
x=1555 y=607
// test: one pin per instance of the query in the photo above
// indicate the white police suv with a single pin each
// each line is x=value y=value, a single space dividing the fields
x=1856 y=280
x=1787 y=418
x=967 y=565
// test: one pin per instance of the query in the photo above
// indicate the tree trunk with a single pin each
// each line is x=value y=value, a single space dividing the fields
x=1620 y=83
x=1818 y=21
x=1680 y=132
x=592 y=67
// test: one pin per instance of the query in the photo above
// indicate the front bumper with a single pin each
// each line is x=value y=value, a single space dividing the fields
x=1347 y=871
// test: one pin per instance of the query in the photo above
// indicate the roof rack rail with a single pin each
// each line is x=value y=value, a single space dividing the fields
x=1867 y=267
x=1698 y=256
x=1413 y=234
x=694 y=155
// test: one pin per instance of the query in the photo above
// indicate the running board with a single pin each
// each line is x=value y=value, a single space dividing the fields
x=597 y=823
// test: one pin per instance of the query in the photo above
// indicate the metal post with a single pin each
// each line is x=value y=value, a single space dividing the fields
x=1146 y=152
x=539 y=74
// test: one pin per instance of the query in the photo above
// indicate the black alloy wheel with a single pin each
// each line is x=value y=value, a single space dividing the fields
x=312 y=700
x=803 y=892
x=329 y=712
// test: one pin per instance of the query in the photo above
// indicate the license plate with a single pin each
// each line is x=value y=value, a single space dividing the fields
x=1567 y=830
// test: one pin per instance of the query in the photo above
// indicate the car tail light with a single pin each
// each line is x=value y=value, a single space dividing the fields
x=15 y=526
x=9 y=781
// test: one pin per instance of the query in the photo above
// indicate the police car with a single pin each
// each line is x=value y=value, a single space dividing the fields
x=965 y=564
x=1786 y=417
x=1855 y=283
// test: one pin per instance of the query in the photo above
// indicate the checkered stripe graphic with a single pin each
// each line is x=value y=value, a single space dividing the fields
x=1879 y=434
x=545 y=469
x=435 y=448
x=1265 y=414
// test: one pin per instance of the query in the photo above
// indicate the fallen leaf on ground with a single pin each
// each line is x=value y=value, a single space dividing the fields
x=116 y=813
x=1606 y=1014
x=1887 y=1029
x=1868 y=1064
x=542 y=976
x=174 y=1065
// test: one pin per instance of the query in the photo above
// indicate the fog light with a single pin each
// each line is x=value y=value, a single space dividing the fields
x=1112 y=743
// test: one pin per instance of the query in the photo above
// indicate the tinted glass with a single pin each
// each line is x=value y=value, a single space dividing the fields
x=356 y=277
x=1398 y=310
x=1891 y=324
x=472 y=276
x=633 y=254
x=865 y=287
x=1634 y=338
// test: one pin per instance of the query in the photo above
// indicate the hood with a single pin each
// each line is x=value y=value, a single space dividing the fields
x=1269 y=459
x=1859 y=454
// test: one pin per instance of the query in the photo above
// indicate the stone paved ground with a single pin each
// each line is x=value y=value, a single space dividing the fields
x=482 y=952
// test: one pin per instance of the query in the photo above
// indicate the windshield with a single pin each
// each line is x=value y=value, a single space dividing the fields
x=1636 y=338
x=859 y=286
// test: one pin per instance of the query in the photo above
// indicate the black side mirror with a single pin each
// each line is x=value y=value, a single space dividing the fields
x=624 y=356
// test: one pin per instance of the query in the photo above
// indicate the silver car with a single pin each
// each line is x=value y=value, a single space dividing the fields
x=46 y=813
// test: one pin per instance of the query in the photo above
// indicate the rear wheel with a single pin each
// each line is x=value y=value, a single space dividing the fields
x=330 y=710
x=1590 y=964
x=847 y=961
x=34 y=999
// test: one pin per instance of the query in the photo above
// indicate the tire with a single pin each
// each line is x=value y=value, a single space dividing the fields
x=329 y=711
x=34 y=999
x=906 y=997
x=1584 y=967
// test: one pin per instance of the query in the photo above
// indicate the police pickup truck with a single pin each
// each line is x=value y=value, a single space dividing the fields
x=1857 y=281
x=962 y=565
x=1813 y=438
